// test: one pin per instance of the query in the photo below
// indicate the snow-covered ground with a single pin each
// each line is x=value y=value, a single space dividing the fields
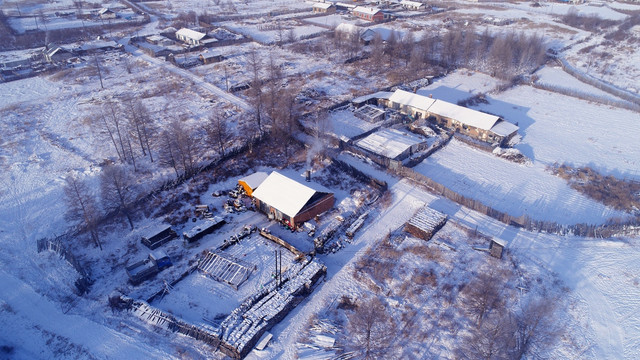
x=460 y=85
x=512 y=188
x=563 y=129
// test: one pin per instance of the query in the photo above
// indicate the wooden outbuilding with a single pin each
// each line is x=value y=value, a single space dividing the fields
x=496 y=248
x=158 y=236
x=425 y=223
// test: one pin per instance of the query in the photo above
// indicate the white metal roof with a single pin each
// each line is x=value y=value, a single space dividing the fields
x=389 y=142
x=377 y=95
x=254 y=180
x=464 y=115
x=411 y=99
x=504 y=128
x=366 y=10
x=324 y=6
x=285 y=194
x=191 y=34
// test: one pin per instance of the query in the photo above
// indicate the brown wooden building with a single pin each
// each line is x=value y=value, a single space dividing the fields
x=285 y=199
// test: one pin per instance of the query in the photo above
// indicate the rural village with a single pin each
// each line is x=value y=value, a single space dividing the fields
x=369 y=179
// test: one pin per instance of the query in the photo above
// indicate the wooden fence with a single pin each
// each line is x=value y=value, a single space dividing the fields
x=83 y=283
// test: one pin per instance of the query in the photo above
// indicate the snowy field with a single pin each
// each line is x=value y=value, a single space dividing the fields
x=563 y=129
x=266 y=32
x=460 y=85
x=556 y=77
x=512 y=188
x=24 y=24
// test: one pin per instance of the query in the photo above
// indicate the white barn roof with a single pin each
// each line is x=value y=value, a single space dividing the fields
x=254 y=180
x=411 y=99
x=366 y=10
x=412 y=3
x=285 y=194
x=389 y=142
x=190 y=34
x=324 y=6
x=464 y=115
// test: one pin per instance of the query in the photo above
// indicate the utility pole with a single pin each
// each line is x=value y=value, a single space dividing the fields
x=99 y=72
x=226 y=76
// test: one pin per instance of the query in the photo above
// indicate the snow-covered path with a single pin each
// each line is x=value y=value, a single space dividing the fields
x=185 y=74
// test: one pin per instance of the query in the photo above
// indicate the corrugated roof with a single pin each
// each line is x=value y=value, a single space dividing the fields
x=254 y=180
x=504 y=128
x=411 y=99
x=464 y=115
x=285 y=194
x=377 y=95
x=389 y=142
x=191 y=34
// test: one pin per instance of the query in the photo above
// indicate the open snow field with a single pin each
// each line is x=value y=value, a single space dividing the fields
x=512 y=188
x=563 y=129
x=460 y=85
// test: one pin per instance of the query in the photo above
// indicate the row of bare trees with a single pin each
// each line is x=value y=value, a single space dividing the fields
x=504 y=55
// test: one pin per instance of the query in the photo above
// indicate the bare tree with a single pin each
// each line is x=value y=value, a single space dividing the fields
x=178 y=148
x=482 y=294
x=536 y=328
x=255 y=93
x=492 y=340
x=118 y=190
x=217 y=132
x=82 y=206
x=141 y=125
x=377 y=50
x=285 y=122
x=371 y=328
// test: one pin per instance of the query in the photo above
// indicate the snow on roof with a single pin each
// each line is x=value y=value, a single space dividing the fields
x=155 y=37
x=190 y=34
x=285 y=194
x=411 y=99
x=384 y=33
x=427 y=219
x=411 y=3
x=254 y=180
x=348 y=28
x=322 y=5
x=464 y=115
x=104 y=10
x=504 y=128
x=389 y=142
x=366 y=10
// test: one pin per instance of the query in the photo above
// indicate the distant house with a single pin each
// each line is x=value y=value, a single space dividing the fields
x=106 y=14
x=473 y=123
x=189 y=36
x=285 y=199
x=159 y=40
x=324 y=8
x=368 y=13
x=413 y=5
x=369 y=34
x=392 y=144
x=251 y=182
x=57 y=54
x=95 y=46
x=210 y=58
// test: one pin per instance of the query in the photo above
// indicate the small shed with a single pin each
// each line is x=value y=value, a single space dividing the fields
x=203 y=228
x=210 y=58
x=425 y=223
x=251 y=182
x=496 y=248
x=57 y=54
x=156 y=237
x=106 y=14
x=412 y=5
x=392 y=144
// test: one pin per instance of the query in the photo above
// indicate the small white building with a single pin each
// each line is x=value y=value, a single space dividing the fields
x=413 y=5
x=189 y=36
